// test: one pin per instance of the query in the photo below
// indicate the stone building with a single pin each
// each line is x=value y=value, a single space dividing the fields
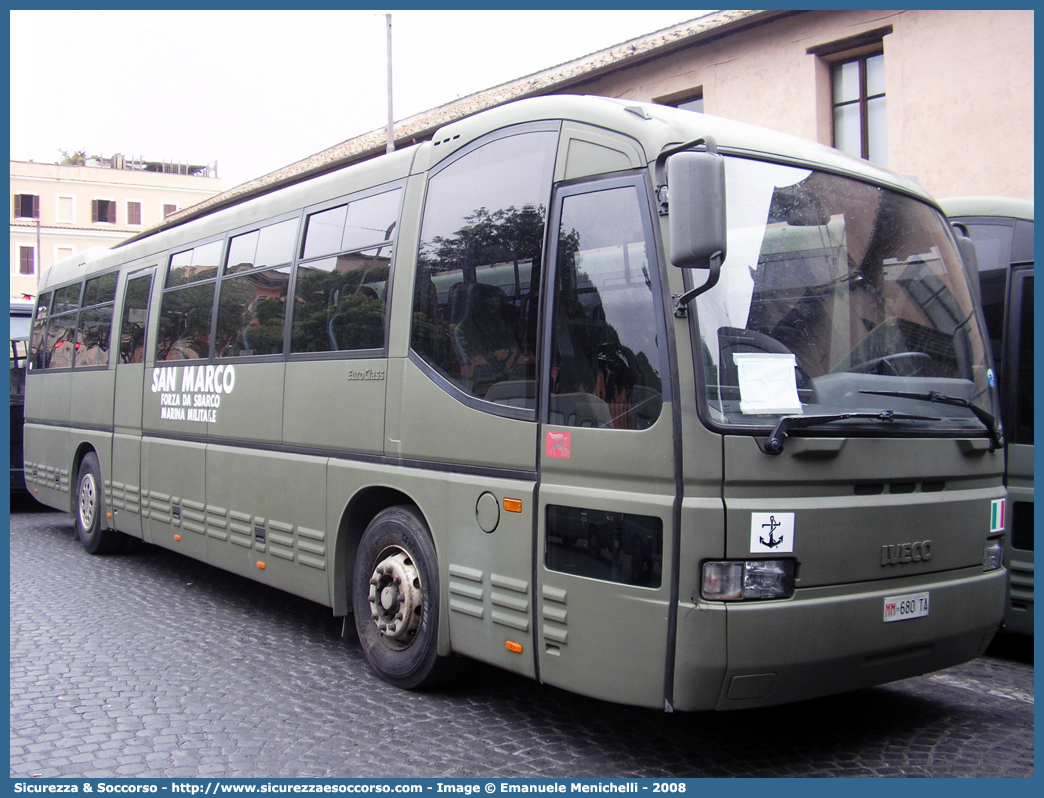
x=60 y=209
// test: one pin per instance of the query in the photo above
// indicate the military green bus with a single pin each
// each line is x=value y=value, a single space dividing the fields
x=655 y=407
x=1002 y=229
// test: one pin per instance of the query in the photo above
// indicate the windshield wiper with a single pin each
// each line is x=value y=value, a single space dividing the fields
x=988 y=421
x=773 y=444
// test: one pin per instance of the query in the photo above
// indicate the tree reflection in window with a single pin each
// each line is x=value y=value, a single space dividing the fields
x=604 y=347
x=477 y=295
x=184 y=325
x=94 y=327
x=92 y=337
x=39 y=352
x=476 y=304
x=339 y=302
x=61 y=341
x=135 y=313
x=251 y=310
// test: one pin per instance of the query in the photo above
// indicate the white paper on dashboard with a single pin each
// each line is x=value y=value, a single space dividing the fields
x=767 y=383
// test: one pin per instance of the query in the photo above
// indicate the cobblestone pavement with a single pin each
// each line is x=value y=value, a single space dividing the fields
x=151 y=664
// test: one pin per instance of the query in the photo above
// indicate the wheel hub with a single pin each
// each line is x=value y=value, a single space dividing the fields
x=396 y=599
x=88 y=501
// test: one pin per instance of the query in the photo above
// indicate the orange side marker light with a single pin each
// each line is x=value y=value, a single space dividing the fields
x=177 y=537
x=514 y=648
x=260 y=565
x=513 y=505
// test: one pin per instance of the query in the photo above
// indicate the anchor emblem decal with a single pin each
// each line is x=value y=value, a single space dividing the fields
x=772 y=525
x=780 y=533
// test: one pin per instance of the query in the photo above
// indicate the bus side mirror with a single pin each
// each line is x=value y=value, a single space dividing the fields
x=696 y=182
x=970 y=256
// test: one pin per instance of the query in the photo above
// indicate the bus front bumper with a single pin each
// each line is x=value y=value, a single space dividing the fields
x=830 y=640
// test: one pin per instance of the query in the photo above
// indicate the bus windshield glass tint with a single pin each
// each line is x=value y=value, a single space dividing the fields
x=832 y=287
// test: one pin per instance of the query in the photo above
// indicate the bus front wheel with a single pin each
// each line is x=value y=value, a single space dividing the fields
x=395 y=599
x=87 y=510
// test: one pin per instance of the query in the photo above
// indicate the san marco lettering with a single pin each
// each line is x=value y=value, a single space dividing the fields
x=200 y=391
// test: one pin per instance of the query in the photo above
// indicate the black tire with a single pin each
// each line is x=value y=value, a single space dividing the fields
x=395 y=597
x=88 y=508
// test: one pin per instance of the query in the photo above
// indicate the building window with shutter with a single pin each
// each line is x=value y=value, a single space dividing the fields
x=133 y=213
x=26 y=206
x=103 y=211
x=26 y=260
x=169 y=209
x=860 y=125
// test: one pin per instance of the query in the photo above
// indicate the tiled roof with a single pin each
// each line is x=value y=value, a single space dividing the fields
x=421 y=126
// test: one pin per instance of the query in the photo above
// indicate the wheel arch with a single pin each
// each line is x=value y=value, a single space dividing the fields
x=82 y=450
x=360 y=510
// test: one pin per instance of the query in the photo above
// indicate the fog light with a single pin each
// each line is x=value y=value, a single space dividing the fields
x=723 y=581
x=754 y=579
x=992 y=554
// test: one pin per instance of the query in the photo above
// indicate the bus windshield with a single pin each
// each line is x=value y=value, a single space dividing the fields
x=833 y=288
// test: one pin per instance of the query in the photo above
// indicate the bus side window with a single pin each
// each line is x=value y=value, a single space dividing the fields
x=478 y=271
x=993 y=248
x=59 y=340
x=252 y=303
x=604 y=351
x=94 y=328
x=188 y=299
x=135 y=316
x=38 y=353
x=340 y=302
x=341 y=286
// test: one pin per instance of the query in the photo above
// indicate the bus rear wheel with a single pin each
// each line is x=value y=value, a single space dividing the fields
x=87 y=510
x=395 y=599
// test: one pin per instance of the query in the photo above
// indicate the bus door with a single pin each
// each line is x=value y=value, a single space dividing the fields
x=125 y=499
x=462 y=403
x=607 y=469
x=1017 y=385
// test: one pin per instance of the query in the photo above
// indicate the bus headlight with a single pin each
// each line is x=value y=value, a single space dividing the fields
x=992 y=554
x=753 y=579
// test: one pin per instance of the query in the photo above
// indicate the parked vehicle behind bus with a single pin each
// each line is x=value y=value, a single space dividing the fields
x=21 y=323
x=652 y=406
x=1002 y=230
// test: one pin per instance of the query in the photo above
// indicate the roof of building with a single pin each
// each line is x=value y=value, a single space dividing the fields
x=421 y=127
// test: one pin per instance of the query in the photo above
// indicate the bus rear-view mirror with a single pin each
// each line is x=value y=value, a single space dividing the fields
x=696 y=182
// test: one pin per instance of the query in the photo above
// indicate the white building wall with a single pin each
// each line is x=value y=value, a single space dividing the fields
x=66 y=195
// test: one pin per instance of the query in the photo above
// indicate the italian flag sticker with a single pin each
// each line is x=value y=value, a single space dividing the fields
x=997 y=515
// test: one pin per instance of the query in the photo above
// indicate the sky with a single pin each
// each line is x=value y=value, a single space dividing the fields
x=257 y=90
